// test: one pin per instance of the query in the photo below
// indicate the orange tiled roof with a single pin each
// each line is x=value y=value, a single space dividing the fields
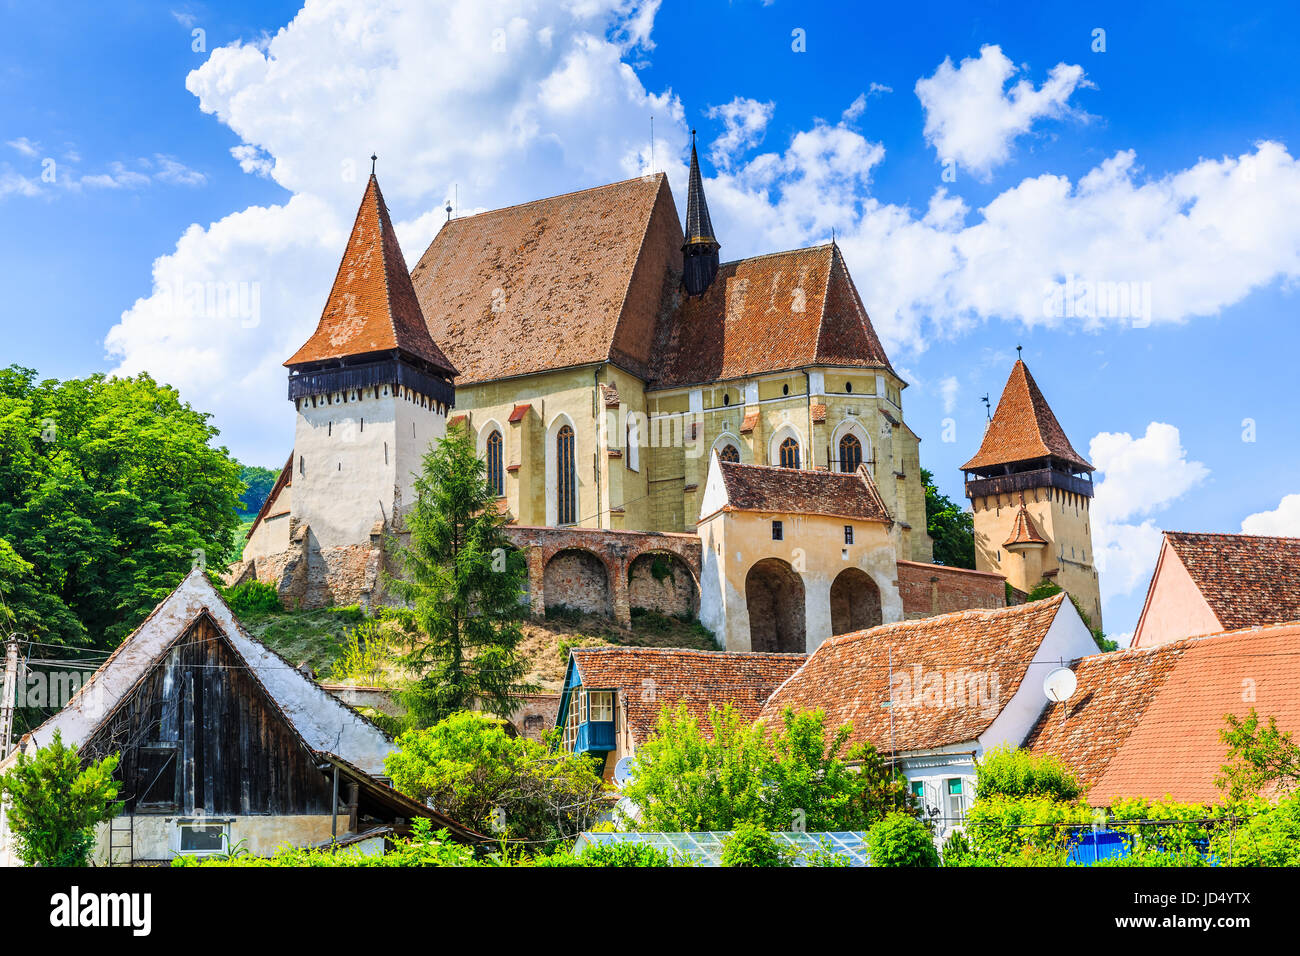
x=1146 y=721
x=518 y=412
x=771 y=489
x=849 y=676
x=818 y=413
x=1023 y=530
x=767 y=313
x=1023 y=428
x=1247 y=580
x=750 y=423
x=569 y=280
x=651 y=678
x=371 y=306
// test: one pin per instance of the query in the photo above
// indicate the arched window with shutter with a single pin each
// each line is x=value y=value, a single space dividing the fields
x=566 y=486
x=789 y=453
x=495 y=468
x=850 y=453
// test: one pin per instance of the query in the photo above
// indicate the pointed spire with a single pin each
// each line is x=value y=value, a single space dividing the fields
x=700 y=251
x=1024 y=428
x=372 y=307
x=1023 y=532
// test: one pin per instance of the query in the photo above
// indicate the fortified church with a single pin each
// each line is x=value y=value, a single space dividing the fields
x=666 y=430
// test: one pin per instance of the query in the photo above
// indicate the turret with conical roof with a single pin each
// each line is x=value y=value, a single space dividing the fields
x=1030 y=492
x=700 y=250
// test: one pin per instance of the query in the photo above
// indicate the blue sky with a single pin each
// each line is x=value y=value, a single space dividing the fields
x=1165 y=160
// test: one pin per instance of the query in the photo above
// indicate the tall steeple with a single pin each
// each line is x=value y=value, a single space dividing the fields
x=700 y=251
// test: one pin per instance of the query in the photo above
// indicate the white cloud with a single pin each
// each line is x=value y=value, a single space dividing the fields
x=859 y=105
x=1283 y=521
x=173 y=171
x=25 y=146
x=524 y=100
x=970 y=118
x=1140 y=476
x=744 y=121
x=948 y=388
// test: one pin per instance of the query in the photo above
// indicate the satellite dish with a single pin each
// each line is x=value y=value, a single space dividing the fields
x=1060 y=684
x=623 y=771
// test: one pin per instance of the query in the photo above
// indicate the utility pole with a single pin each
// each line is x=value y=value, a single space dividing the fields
x=10 y=696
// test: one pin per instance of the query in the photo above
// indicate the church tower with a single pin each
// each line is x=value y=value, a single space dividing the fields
x=700 y=251
x=371 y=389
x=1030 y=492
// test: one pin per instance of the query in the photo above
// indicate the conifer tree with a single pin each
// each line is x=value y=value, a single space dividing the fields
x=464 y=583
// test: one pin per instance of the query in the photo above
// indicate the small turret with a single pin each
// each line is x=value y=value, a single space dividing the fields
x=700 y=251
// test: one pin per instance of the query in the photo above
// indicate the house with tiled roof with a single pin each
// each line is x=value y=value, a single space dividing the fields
x=613 y=696
x=791 y=557
x=1145 y=722
x=637 y=354
x=934 y=694
x=1031 y=493
x=1204 y=583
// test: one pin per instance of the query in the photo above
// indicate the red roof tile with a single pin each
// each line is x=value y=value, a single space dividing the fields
x=818 y=414
x=1023 y=428
x=1146 y=721
x=770 y=489
x=650 y=678
x=518 y=412
x=767 y=313
x=952 y=676
x=371 y=306
x=1246 y=579
x=750 y=423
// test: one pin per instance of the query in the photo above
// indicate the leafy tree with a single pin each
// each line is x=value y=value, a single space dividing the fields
x=258 y=482
x=690 y=778
x=1015 y=772
x=901 y=840
x=55 y=803
x=468 y=768
x=463 y=582
x=1271 y=837
x=111 y=491
x=1260 y=758
x=951 y=527
x=753 y=845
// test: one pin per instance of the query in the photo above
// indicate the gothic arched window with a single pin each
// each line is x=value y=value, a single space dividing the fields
x=789 y=453
x=495 y=472
x=729 y=452
x=850 y=453
x=566 y=485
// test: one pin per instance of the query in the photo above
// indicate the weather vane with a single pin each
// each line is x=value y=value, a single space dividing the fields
x=988 y=411
x=373 y=157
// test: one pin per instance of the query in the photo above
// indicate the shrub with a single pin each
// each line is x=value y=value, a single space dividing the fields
x=253 y=597
x=1271 y=837
x=423 y=848
x=55 y=803
x=956 y=849
x=366 y=650
x=752 y=845
x=621 y=854
x=1013 y=772
x=901 y=840
x=1035 y=830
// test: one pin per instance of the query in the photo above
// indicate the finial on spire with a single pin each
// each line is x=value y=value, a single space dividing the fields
x=373 y=157
x=1018 y=348
x=449 y=210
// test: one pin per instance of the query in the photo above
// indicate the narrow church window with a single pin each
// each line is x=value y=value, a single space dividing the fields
x=494 y=471
x=789 y=453
x=566 y=478
x=850 y=453
x=778 y=531
x=729 y=453
x=329 y=429
x=848 y=534
x=302 y=465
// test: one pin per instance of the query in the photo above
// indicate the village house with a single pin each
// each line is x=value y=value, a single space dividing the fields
x=1205 y=583
x=224 y=743
x=1145 y=722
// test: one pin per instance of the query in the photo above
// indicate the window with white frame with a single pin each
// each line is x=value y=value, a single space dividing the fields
x=573 y=718
x=600 y=705
x=956 y=794
x=201 y=836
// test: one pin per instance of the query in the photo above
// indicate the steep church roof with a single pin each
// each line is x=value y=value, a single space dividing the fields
x=555 y=283
x=372 y=306
x=1023 y=428
x=595 y=276
x=769 y=313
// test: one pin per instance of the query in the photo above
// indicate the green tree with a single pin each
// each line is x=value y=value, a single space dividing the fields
x=258 y=482
x=901 y=840
x=111 y=490
x=730 y=771
x=469 y=768
x=1015 y=772
x=55 y=803
x=751 y=844
x=951 y=527
x=1260 y=758
x=463 y=582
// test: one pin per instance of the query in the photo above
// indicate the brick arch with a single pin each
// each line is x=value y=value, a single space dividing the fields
x=578 y=578
x=855 y=602
x=774 y=597
x=676 y=594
